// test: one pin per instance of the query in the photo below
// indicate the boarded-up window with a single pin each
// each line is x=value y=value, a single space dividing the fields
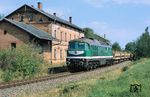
x=13 y=45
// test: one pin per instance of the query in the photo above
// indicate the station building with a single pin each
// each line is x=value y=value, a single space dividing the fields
x=27 y=24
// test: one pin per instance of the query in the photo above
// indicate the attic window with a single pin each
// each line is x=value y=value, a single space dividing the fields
x=41 y=20
x=30 y=18
x=21 y=18
x=5 y=32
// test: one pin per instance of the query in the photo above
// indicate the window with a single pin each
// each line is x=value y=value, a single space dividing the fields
x=13 y=45
x=65 y=53
x=70 y=36
x=81 y=45
x=21 y=18
x=54 y=53
x=41 y=49
x=61 y=36
x=74 y=36
x=41 y=20
x=55 y=33
x=30 y=18
x=72 y=45
x=61 y=54
x=5 y=32
x=66 y=37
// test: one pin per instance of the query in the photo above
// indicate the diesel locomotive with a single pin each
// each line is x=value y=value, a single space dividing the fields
x=87 y=54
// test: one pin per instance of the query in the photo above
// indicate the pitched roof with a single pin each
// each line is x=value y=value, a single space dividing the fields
x=30 y=29
x=55 y=18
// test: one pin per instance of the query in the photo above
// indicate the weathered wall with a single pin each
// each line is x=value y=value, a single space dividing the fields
x=60 y=31
x=13 y=35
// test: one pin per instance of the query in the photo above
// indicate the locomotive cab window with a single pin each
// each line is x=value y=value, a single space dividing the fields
x=72 y=45
x=81 y=45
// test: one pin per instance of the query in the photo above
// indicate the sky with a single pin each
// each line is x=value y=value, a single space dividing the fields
x=122 y=21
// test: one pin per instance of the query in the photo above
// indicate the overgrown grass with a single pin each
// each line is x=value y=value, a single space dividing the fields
x=120 y=87
x=112 y=84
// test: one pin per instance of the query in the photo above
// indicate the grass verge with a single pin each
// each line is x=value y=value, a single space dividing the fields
x=112 y=84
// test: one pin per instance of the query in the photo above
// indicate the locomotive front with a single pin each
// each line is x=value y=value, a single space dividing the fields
x=76 y=54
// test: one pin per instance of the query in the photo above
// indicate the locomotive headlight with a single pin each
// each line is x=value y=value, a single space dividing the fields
x=67 y=62
x=67 y=59
x=83 y=59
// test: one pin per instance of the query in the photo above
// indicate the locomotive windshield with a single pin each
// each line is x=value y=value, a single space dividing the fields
x=81 y=45
x=77 y=45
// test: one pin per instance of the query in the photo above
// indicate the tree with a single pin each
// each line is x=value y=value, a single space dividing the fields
x=116 y=47
x=130 y=47
x=143 y=44
x=89 y=33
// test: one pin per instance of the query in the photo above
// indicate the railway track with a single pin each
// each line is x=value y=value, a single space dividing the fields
x=17 y=88
x=5 y=85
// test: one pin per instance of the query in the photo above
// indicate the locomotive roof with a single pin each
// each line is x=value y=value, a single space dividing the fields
x=93 y=42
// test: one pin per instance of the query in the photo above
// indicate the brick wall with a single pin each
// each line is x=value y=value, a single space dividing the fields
x=11 y=35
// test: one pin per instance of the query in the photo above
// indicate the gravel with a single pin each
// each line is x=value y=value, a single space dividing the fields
x=45 y=85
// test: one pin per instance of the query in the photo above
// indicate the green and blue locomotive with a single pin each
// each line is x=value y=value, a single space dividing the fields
x=88 y=54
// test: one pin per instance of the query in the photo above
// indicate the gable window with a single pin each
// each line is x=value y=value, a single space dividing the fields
x=30 y=18
x=21 y=18
x=5 y=32
x=13 y=45
x=55 y=33
x=41 y=20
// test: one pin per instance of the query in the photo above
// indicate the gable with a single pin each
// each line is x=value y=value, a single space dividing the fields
x=28 y=13
x=26 y=9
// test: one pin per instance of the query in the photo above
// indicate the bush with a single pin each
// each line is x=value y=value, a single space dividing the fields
x=21 y=62
x=125 y=68
x=7 y=76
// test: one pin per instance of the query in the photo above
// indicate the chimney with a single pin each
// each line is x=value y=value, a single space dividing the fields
x=40 y=5
x=104 y=35
x=32 y=5
x=54 y=14
x=70 y=19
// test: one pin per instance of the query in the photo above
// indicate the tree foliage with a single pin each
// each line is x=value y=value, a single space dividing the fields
x=143 y=44
x=89 y=33
x=141 y=47
x=130 y=47
x=116 y=47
